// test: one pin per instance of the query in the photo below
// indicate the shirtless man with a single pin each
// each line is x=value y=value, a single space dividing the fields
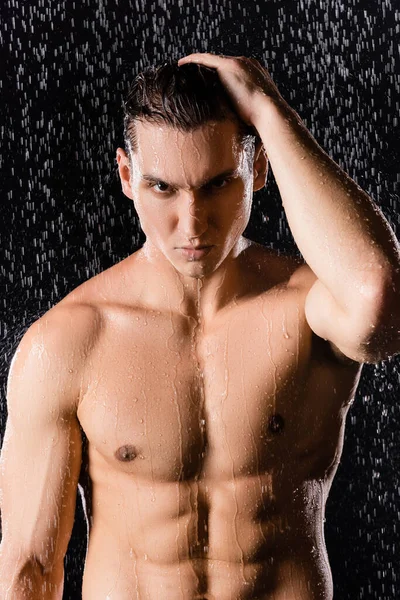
x=212 y=384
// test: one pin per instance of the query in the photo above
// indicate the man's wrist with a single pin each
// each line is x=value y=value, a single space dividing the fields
x=273 y=106
x=271 y=111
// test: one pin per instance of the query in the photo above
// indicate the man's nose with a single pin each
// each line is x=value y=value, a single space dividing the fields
x=193 y=217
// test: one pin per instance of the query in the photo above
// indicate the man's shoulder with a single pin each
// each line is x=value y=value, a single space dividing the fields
x=108 y=287
x=279 y=266
x=69 y=326
x=53 y=349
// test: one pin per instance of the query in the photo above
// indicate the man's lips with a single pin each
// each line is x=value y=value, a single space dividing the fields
x=199 y=247
x=193 y=253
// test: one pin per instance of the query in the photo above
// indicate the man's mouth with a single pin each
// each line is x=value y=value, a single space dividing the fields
x=195 y=253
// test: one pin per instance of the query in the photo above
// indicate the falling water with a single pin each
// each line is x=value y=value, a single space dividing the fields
x=64 y=217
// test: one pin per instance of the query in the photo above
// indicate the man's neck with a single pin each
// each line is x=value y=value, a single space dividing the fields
x=200 y=298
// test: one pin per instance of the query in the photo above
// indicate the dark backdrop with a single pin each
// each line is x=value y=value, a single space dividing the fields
x=64 y=218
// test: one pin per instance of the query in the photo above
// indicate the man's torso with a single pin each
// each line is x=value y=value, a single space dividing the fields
x=211 y=446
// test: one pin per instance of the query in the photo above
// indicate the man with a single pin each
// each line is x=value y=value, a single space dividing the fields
x=210 y=375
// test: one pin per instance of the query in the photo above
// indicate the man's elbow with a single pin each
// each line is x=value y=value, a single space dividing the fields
x=27 y=579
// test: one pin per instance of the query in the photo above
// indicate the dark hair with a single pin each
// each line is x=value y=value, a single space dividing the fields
x=183 y=97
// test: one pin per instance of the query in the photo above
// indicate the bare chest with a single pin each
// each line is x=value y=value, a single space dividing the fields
x=169 y=400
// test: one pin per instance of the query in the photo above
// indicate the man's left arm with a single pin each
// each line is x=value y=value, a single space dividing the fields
x=344 y=238
x=342 y=235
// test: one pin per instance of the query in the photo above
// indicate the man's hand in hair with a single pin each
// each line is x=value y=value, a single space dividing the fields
x=248 y=83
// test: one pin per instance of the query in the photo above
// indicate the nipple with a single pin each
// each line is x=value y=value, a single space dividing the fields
x=125 y=453
x=276 y=423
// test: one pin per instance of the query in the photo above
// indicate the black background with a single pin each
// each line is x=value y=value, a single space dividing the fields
x=64 y=218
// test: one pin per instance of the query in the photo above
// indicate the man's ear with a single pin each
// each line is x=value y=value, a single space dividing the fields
x=260 y=167
x=124 y=172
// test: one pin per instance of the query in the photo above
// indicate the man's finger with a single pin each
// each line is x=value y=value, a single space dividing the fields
x=205 y=58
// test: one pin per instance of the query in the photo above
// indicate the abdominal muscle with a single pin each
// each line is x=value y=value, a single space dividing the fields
x=194 y=496
x=214 y=544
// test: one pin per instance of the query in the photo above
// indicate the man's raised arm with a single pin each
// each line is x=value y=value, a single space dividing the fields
x=41 y=455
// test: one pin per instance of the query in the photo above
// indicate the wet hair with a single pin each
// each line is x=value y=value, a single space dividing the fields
x=184 y=98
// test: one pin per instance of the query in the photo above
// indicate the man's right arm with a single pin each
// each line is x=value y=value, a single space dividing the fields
x=41 y=455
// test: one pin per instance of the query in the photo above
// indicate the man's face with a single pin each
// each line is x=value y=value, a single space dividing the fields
x=182 y=196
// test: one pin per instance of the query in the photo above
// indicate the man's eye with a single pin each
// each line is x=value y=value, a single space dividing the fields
x=217 y=183
x=159 y=183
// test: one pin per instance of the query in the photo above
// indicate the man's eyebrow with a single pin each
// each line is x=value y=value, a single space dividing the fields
x=156 y=179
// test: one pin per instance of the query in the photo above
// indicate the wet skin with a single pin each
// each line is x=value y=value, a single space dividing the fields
x=188 y=395
x=212 y=444
x=214 y=416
